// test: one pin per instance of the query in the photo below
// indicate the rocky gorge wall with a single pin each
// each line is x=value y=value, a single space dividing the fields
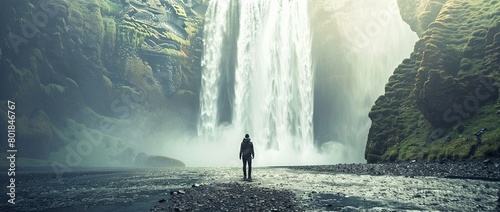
x=442 y=102
x=90 y=76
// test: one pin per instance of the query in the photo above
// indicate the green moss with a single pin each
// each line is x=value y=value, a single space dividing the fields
x=174 y=37
x=130 y=36
x=94 y=5
x=110 y=28
x=465 y=63
x=457 y=35
x=429 y=15
x=179 y=10
x=109 y=7
x=391 y=155
x=452 y=145
x=191 y=29
x=172 y=52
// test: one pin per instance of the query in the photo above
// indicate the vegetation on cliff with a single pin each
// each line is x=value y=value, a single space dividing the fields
x=82 y=70
x=442 y=102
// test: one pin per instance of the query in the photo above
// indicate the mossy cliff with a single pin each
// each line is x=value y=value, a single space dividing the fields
x=84 y=70
x=442 y=102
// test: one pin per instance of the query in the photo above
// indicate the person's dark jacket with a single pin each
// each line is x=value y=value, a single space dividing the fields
x=246 y=149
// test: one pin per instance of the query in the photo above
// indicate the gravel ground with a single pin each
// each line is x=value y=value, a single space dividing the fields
x=415 y=186
x=488 y=169
x=232 y=196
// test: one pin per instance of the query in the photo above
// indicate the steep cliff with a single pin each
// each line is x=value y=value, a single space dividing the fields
x=442 y=102
x=86 y=76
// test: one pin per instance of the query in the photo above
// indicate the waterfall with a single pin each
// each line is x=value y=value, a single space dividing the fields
x=273 y=94
x=215 y=27
x=264 y=74
x=274 y=78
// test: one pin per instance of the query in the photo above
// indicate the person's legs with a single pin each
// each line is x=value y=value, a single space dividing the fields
x=244 y=168
x=249 y=168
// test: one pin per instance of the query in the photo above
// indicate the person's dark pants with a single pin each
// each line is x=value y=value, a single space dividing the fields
x=249 y=161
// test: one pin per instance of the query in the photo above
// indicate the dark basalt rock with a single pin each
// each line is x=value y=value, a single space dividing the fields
x=143 y=160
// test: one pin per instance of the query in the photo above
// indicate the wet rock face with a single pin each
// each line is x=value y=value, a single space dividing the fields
x=450 y=80
x=81 y=62
x=160 y=32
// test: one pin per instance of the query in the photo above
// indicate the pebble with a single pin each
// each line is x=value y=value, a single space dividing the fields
x=231 y=197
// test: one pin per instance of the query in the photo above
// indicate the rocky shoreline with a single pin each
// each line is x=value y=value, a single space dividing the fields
x=488 y=169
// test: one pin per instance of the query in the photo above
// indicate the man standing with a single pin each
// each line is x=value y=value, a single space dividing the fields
x=246 y=152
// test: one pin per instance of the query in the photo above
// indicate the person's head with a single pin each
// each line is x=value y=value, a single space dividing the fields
x=247 y=136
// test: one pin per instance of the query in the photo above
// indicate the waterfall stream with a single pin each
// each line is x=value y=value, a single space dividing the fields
x=262 y=69
x=273 y=79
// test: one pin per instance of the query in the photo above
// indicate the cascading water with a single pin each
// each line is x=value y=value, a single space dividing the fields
x=273 y=76
x=215 y=27
x=263 y=61
x=273 y=80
